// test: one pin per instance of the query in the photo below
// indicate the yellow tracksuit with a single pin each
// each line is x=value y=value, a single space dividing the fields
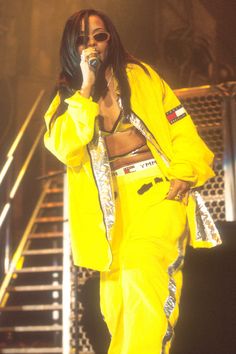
x=137 y=243
x=72 y=131
x=139 y=296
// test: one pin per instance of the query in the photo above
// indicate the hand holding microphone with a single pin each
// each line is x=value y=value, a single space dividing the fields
x=89 y=65
x=94 y=61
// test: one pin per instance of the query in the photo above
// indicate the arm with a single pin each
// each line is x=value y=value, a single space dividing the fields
x=67 y=137
x=73 y=130
x=192 y=159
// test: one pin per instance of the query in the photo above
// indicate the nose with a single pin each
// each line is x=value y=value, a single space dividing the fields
x=91 y=41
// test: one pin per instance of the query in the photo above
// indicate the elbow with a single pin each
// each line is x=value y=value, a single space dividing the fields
x=70 y=158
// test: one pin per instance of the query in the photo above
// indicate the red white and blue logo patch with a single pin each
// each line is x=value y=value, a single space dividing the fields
x=176 y=114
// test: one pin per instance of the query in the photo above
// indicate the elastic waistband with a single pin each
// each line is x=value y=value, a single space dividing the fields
x=135 y=167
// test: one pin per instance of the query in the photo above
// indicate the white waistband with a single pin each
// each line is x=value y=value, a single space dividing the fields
x=137 y=166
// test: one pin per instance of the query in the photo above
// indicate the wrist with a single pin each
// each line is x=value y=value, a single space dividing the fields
x=86 y=90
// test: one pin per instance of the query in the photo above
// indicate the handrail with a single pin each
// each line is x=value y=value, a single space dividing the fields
x=19 y=178
x=52 y=174
x=193 y=90
x=19 y=136
x=18 y=252
x=25 y=165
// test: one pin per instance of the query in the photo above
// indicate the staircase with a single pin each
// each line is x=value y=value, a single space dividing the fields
x=31 y=299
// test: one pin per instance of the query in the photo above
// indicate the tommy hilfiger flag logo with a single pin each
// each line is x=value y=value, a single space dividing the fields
x=176 y=114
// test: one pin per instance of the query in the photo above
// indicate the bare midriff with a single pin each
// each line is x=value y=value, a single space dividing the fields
x=125 y=144
x=127 y=147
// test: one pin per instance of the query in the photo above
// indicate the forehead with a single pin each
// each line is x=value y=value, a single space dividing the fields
x=95 y=22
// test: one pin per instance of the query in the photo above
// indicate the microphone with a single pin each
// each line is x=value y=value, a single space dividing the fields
x=94 y=61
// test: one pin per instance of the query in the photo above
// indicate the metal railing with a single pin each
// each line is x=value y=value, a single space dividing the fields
x=18 y=253
x=10 y=181
x=14 y=180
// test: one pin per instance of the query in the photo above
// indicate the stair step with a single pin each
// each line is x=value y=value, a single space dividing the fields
x=52 y=205
x=48 y=219
x=39 y=269
x=54 y=190
x=54 y=234
x=31 y=350
x=31 y=308
x=43 y=251
x=51 y=328
x=22 y=288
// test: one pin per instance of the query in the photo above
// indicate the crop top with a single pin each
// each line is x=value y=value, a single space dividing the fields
x=124 y=140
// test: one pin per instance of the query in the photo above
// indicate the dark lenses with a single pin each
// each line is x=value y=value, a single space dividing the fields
x=100 y=37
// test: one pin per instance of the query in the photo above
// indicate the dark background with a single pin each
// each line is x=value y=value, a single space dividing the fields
x=189 y=42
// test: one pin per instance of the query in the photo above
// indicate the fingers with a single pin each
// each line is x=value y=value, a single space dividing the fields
x=178 y=190
x=179 y=197
x=87 y=72
x=172 y=191
x=86 y=53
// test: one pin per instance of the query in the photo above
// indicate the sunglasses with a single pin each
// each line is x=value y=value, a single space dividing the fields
x=98 y=37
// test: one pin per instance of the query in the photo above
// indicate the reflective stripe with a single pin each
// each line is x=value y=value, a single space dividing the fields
x=171 y=299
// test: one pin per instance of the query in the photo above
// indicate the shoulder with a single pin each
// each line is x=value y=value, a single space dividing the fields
x=138 y=75
x=146 y=70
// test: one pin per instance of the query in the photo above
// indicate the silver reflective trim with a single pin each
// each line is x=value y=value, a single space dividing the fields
x=205 y=227
x=172 y=286
x=170 y=303
x=103 y=177
x=167 y=338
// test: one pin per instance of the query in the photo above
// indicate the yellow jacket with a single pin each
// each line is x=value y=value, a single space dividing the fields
x=70 y=138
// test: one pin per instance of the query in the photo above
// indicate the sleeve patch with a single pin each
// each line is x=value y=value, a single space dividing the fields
x=176 y=114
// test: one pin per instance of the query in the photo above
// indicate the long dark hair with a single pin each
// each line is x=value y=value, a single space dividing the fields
x=117 y=58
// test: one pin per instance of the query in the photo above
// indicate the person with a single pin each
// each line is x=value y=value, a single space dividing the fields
x=133 y=158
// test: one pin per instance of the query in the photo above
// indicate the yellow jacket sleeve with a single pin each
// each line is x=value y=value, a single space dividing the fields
x=73 y=130
x=191 y=160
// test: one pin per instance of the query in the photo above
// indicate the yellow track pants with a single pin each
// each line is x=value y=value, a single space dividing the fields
x=139 y=296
